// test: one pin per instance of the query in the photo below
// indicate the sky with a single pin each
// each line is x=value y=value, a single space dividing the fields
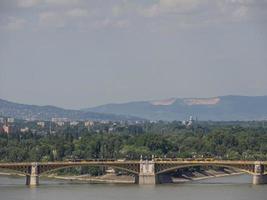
x=83 y=53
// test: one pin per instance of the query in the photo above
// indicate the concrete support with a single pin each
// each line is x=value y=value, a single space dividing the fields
x=259 y=177
x=148 y=180
x=147 y=174
x=33 y=178
x=136 y=179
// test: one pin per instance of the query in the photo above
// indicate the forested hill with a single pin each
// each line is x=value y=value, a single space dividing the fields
x=24 y=111
x=224 y=108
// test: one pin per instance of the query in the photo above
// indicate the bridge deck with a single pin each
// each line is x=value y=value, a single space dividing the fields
x=134 y=162
x=145 y=171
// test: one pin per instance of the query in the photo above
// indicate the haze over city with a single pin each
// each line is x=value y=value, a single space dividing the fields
x=133 y=99
x=77 y=53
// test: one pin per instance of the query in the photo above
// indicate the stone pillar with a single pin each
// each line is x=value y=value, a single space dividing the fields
x=136 y=179
x=33 y=178
x=147 y=174
x=259 y=177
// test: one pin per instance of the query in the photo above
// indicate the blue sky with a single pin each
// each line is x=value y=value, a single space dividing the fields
x=80 y=53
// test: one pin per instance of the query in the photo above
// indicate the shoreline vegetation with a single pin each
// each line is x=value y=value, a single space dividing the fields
x=124 y=179
x=122 y=140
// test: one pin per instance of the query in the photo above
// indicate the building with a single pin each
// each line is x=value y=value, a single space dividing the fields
x=60 y=123
x=7 y=129
x=59 y=119
x=74 y=123
x=24 y=130
x=88 y=123
x=110 y=129
x=10 y=120
x=188 y=123
x=41 y=124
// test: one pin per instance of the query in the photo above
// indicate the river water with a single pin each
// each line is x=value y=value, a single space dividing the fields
x=223 y=188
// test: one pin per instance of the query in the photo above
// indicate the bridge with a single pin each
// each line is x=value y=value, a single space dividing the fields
x=145 y=171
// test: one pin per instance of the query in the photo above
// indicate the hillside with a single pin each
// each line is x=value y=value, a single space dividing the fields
x=224 y=108
x=24 y=111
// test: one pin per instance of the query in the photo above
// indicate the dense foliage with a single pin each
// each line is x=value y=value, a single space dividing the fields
x=159 y=139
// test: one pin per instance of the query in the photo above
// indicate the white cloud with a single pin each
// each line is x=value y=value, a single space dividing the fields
x=156 y=13
x=32 y=3
x=241 y=1
x=77 y=12
x=105 y=23
x=15 y=24
x=175 y=3
x=63 y=2
x=28 y=3
x=54 y=19
x=170 y=6
x=183 y=12
x=257 y=3
x=241 y=12
x=60 y=19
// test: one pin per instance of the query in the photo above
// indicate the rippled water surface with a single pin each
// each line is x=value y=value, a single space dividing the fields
x=225 y=188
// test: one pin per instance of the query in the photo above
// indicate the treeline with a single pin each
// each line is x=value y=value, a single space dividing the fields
x=159 y=139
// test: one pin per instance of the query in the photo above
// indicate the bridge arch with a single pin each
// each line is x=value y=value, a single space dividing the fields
x=23 y=171
x=247 y=169
x=43 y=171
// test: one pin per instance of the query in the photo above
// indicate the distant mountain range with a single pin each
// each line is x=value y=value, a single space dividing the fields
x=23 y=111
x=222 y=108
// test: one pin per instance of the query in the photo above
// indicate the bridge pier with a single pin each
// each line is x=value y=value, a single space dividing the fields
x=259 y=177
x=148 y=179
x=147 y=174
x=32 y=179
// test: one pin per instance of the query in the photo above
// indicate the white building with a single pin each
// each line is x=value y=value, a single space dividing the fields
x=10 y=120
x=24 y=130
x=188 y=123
x=59 y=119
x=88 y=123
x=7 y=129
x=41 y=124
x=60 y=123
x=74 y=123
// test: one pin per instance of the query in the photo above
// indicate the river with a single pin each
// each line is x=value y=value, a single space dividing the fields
x=223 y=188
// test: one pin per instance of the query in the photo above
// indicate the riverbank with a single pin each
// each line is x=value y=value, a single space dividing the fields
x=207 y=174
x=107 y=178
x=123 y=179
x=186 y=177
x=10 y=174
